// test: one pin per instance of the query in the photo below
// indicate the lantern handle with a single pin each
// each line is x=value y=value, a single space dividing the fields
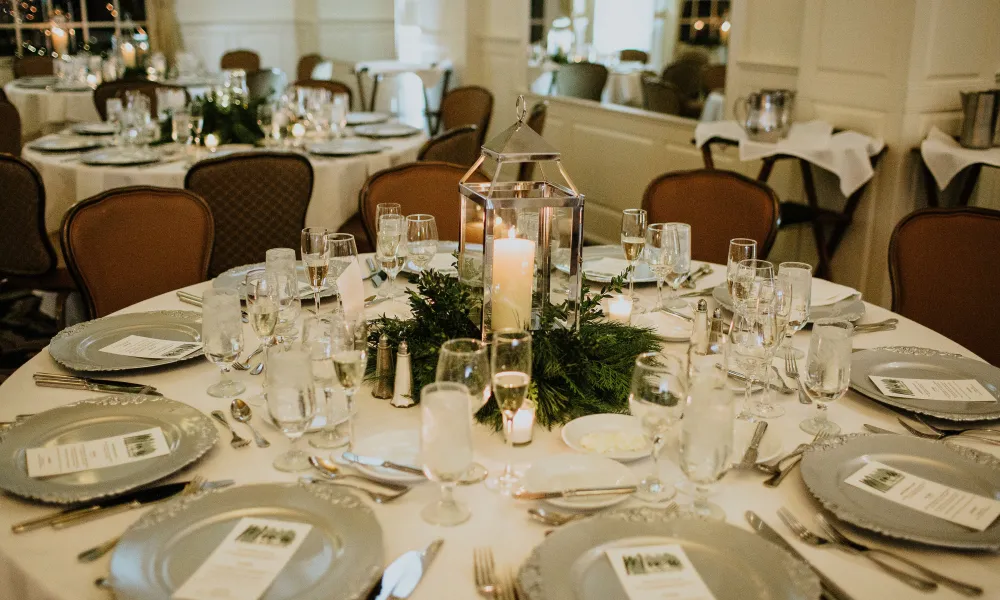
x=522 y=108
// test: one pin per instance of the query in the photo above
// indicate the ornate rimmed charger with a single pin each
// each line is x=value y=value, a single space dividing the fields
x=78 y=347
x=386 y=130
x=340 y=558
x=851 y=309
x=922 y=363
x=120 y=157
x=189 y=434
x=345 y=147
x=100 y=128
x=235 y=279
x=825 y=465
x=735 y=564
x=366 y=118
x=64 y=143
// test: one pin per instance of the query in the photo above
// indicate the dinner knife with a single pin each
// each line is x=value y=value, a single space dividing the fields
x=830 y=588
x=372 y=461
x=675 y=313
x=877 y=429
x=753 y=450
x=401 y=577
x=96 y=387
x=143 y=496
x=42 y=375
x=376 y=277
x=575 y=493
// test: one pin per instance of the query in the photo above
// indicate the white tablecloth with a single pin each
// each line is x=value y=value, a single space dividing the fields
x=946 y=158
x=41 y=565
x=624 y=86
x=40 y=110
x=336 y=181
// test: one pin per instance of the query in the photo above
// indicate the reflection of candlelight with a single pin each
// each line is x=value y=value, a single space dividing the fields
x=128 y=54
x=211 y=142
x=298 y=130
x=60 y=40
x=513 y=278
x=524 y=422
x=92 y=80
x=620 y=308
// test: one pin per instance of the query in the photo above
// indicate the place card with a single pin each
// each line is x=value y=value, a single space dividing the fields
x=245 y=564
x=929 y=497
x=96 y=454
x=949 y=390
x=657 y=573
x=145 y=347
x=352 y=289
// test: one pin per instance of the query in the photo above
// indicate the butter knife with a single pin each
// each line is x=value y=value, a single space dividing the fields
x=575 y=493
x=675 y=313
x=830 y=589
x=401 y=577
x=372 y=461
x=750 y=456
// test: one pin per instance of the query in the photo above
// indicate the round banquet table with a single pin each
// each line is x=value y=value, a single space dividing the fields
x=336 y=181
x=41 y=565
x=42 y=109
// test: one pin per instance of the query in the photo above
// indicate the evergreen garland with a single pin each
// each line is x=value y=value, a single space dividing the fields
x=574 y=373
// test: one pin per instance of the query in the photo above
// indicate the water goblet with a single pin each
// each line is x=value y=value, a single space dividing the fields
x=421 y=239
x=828 y=371
x=222 y=336
x=343 y=253
x=656 y=398
x=445 y=447
x=291 y=403
x=706 y=446
x=661 y=254
x=467 y=361
x=799 y=277
x=317 y=340
x=281 y=262
x=740 y=249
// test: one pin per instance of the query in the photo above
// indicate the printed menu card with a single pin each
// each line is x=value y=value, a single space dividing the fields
x=955 y=390
x=145 y=347
x=657 y=573
x=96 y=454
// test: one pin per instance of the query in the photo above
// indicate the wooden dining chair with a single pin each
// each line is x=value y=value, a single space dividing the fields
x=942 y=266
x=660 y=96
x=308 y=62
x=459 y=146
x=632 y=55
x=33 y=66
x=719 y=205
x=118 y=89
x=335 y=87
x=10 y=132
x=582 y=80
x=132 y=243
x=259 y=201
x=467 y=105
x=248 y=60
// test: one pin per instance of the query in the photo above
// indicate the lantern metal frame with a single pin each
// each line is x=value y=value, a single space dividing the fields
x=519 y=145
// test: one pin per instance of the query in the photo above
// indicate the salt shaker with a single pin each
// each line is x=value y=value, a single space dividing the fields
x=383 y=369
x=403 y=389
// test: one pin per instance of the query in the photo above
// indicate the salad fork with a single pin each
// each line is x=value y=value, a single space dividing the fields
x=237 y=441
x=484 y=572
x=780 y=473
x=792 y=370
x=980 y=434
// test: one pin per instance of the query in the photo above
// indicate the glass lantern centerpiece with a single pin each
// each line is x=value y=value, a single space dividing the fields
x=515 y=233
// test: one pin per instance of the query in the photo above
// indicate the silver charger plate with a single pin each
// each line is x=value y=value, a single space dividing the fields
x=93 y=129
x=188 y=431
x=386 y=130
x=64 y=143
x=366 y=118
x=851 y=309
x=922 y=365
x=120 y=157
x=825 y=465
x=340 y=559
x=78 y=347
x=234 y=279
x=735 y=564
x=345 y=147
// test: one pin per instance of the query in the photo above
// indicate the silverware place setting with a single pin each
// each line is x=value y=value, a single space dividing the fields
x=73 y=382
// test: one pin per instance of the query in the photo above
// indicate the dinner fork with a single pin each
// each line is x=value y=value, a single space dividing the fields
x=940 y=434
x=245 y=365
x=378 y=497
x=807 y=536
x=509 y=591
x=237 y=441
x=484 y=572
x=792 y=370
x=776 y=479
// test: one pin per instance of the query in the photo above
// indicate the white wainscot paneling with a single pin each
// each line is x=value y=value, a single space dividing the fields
x=853 y=37
x=772 y=33
x=357 y=40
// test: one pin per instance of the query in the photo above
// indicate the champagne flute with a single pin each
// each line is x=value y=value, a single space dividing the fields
x=799 y=277
x=740 y=249
x=661 y=246
x=291 y=402
x=633 y=242
x=316 y=256
x=421 y=239
x=390 y=250
x=828 y=371
x=317 y=340
x=656 y=398
x=386 y=208
x=445 y=447
x=511 y=369
x=262 y=308
x=343 y=252
x=350 y=357
x=467 y=361
x=706 y=445
x=222 y=336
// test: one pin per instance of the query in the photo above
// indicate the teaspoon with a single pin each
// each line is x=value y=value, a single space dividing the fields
x=242 y=412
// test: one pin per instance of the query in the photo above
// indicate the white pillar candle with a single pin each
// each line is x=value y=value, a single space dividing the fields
x=513 y=278
x=620 y=308
x=524 y=423
x=211 y=142
x=128 y=54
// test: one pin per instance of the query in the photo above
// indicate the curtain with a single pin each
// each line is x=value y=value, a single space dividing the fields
x=165 y=33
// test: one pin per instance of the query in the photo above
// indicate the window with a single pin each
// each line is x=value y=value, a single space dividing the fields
x=30 y=26
x=704 y=22
x=620 y=25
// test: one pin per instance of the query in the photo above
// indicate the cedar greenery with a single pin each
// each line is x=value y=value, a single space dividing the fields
x=574 y=373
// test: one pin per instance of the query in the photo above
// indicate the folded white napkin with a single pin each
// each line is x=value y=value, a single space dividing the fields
x=826 y=292
x=443 y=262
x=612 y=267
x=946 y=158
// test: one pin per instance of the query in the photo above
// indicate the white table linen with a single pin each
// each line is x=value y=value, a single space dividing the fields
x=946 y=158
x=336 y=181
x=846 y=154
x=41 y=565
x=624 y=85
x=41 y=110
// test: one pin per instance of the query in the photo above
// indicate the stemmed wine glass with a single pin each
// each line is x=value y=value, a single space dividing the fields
x=748 y=283
x=343 y=252
x=421 y=239
x=706 y=446
x=755 y=336
x=317 y=340
x=661 y=254
x=511 y=368
x=222 y=336
x=633 y=242
x=681 y=264
x=656 y=398
x=262 y=308
x=828 y=371
x=740 y=249
x=281 y=262
x=445 y=447
x=316 y=256
x=291 y=402
x=467 y=361
x=799 y=277
x=350 y=357
x=390 y=250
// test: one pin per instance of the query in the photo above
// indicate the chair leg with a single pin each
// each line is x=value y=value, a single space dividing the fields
x=823 y=268
x=971 y=179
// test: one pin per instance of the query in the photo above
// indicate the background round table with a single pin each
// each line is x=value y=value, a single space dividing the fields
x=42 y=565
x=336 y=181
x=43 y=110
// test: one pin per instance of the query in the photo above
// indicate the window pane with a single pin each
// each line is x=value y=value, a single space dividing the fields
x=704 y=8
x=8 y=42
x=686 y=9
x=69 y=8
x=136 y=9
x=100 y=10
x=33 y=41
x=620 y=25
x=100 y=40
x=6 y=11
x=32 y=11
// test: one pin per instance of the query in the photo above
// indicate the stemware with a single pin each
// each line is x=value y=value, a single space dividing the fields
x=706 y=435
x=656 y=398
x=828 y=371
x=445 y=447
x=281 y=262
x=511 y=372
x=633 y=241
x=339 y=107
x=661 y=254
x=799 y=277
x=197 y=121
x=262 y=308
x=421 y=239
x=343 y=252
x=740 y=249
x=291 y=402
x=316 y=256
x=317 y=340
x=350 y=357
x=390 y=251
x=681 y=264
x=752 y=275
x=116 y=117
x=180 y=127
x=222 y=336
x=467 y=361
